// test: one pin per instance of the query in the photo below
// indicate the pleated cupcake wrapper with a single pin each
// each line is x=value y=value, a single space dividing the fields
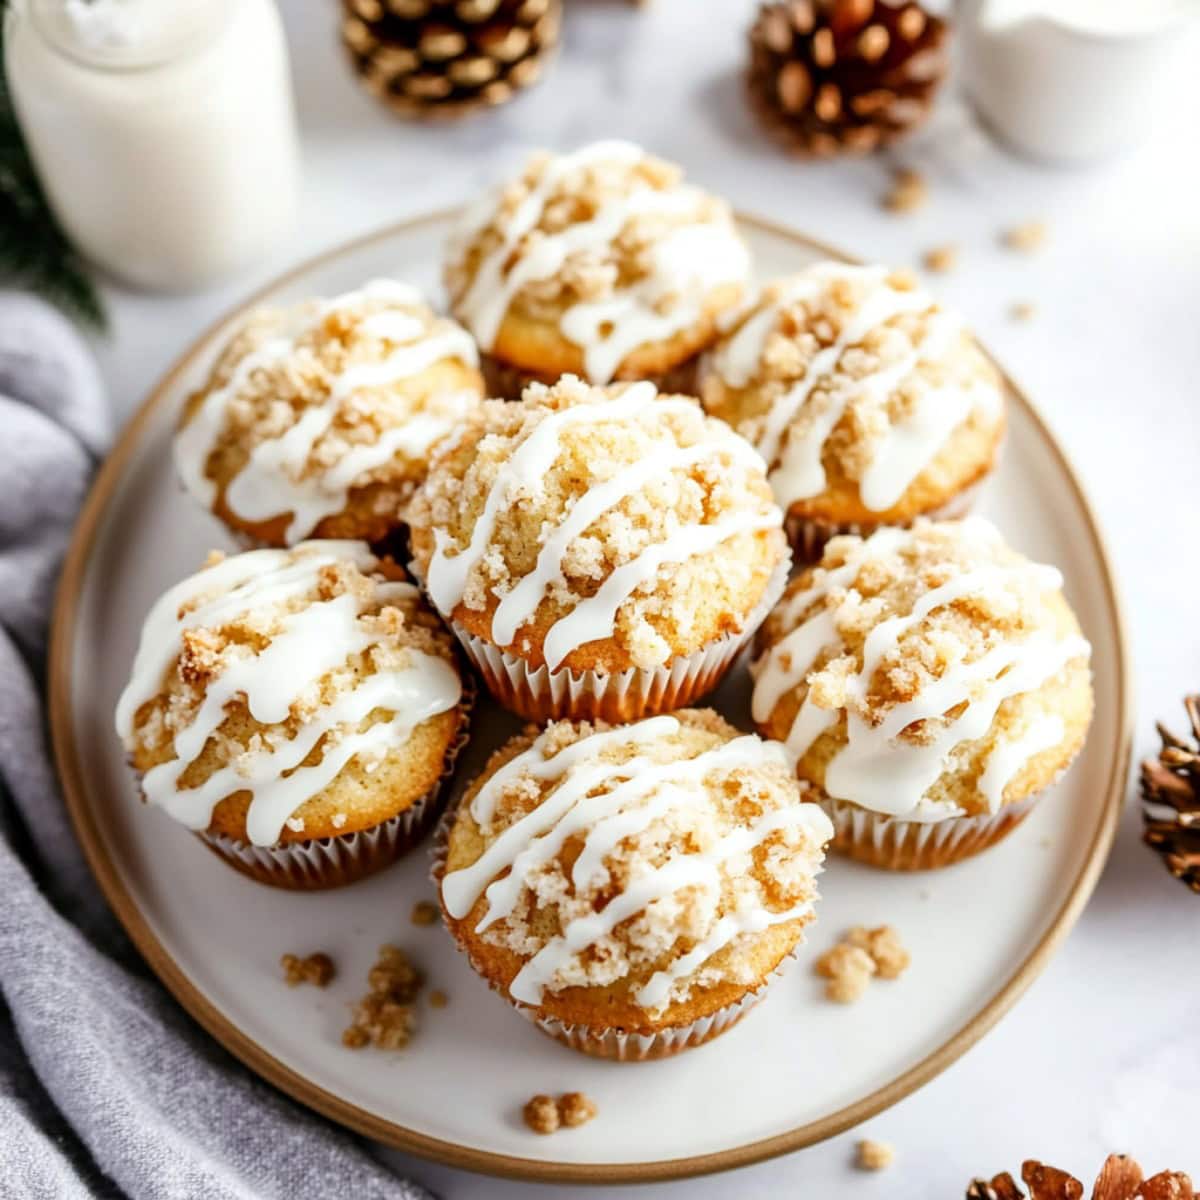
x=808 y=535
x=508 y=382
x=333 y=861
x=899 y=845
x=604 y=1043
x=541 y=695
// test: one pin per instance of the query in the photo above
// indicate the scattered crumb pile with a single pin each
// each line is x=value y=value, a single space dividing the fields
x=386 y=1016
x=874 y=1156
x=317 y=969
x=861 y=954
x=545 y=1114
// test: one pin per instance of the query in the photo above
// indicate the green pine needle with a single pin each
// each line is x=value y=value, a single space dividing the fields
x=34 y=251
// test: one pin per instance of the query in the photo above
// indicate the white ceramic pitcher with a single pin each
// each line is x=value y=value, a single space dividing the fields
x=1069 y=80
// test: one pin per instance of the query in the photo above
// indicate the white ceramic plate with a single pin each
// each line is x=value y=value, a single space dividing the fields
x=796 y=1070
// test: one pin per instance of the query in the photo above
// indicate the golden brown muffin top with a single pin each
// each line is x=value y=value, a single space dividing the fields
x=307 y=403
x=851 y=374
x=282 y=674
x=903 y=665
x=582 y=514
x=644 y=857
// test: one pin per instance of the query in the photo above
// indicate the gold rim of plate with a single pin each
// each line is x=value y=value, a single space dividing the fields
x=259 y=1060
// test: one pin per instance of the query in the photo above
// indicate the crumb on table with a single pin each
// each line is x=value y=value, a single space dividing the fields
x=1026 y=237
x=425 y=912
x=1022 y=310
x=386 y=1016
x=874 y=1156
x=317 y=969
x=909 y=191
x=940 y=258
x=438 y=999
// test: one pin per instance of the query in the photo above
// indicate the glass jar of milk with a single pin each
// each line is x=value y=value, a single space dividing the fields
x=163 y=131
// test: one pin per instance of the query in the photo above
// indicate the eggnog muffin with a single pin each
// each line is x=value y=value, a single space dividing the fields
x=931 y=681
x=601 y=263
x=318 y=420
x=297 y=710
x=600 y=552
x=632 y=889
x=870 y=403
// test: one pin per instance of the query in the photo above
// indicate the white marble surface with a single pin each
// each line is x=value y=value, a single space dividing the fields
x=1092 y=1059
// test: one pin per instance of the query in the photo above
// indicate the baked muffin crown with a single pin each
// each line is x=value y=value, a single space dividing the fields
x=607 y=244
x=853 y=375
x=313 y=405
x=638 y=857
x=919 y=672
x=270 y=673
x=581 y=515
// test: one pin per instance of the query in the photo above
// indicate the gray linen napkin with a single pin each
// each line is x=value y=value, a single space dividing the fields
x=106 y=1087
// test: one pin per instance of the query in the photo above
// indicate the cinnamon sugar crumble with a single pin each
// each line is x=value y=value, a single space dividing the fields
x=317 y=969
x=543 y=1114
x=386 y=1016
x=874 y=1156
x=425 y=912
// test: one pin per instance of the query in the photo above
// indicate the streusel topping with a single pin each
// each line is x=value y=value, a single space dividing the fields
x=607 y=242
x=582 y=513
x=309 y=403
x=642 y=854
x=850 y=373
x=898 y=653
x=271 y=671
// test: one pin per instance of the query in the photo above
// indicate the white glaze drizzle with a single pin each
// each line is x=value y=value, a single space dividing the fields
x=877 y=769
x=272 y=481
x=606 y=802
x=906 y=448
x=311 y=642
x=687 y=263
x=1009 y=758
x=592 y=617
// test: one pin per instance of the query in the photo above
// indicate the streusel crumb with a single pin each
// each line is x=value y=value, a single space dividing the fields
x=1022 y=310
x=940 y=258
x=425 y=912
x=574 y=1108
x=885 y=948
x=438 y=999
x=386 y=1016
x=541 y=1114
x=317 y=969
x=848 y=970
x=874 y=1156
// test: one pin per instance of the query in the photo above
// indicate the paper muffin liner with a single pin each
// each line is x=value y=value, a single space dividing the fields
x=334 y=861
x=508 y=382
x=541 y=695
x=899 y=845
x=808 y=535
x=606 y=1042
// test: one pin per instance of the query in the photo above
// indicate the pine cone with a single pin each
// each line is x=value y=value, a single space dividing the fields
x=446 y=58
x=836 y=76
x=1171 y=799
x=1120 y=1179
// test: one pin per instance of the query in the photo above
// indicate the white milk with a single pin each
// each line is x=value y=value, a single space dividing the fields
x=1069 y=80
x=162 y=130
